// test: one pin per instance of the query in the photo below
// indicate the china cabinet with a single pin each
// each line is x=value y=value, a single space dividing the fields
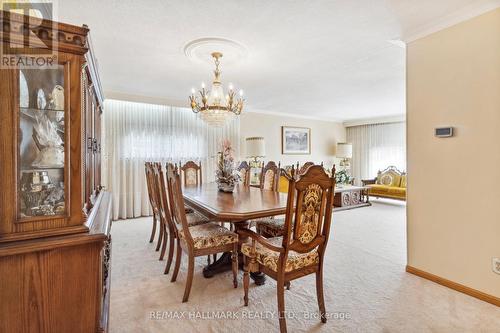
x=55 y=241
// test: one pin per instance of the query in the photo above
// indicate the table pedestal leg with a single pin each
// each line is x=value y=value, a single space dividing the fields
x=224 y=263
x=259 y=278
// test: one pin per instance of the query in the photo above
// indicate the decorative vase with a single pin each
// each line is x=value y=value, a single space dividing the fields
x=226 y=187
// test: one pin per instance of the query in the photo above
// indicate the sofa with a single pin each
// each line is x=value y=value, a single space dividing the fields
x=389 y=183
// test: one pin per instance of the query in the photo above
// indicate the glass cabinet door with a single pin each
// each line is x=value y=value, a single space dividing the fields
x=41 y=142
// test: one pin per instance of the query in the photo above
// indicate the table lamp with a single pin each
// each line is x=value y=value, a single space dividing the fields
x=344 y=152
x=256 y=147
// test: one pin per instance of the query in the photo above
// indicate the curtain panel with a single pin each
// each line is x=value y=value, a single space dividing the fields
x=375 y=147
x=134 y=133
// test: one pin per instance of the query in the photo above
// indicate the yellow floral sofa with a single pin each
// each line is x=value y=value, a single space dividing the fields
x=389 y=183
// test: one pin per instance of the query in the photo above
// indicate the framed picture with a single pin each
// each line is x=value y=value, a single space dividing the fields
x=295 y=140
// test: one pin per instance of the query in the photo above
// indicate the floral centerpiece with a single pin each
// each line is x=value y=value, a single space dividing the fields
x=343 y=178
x=226 y=175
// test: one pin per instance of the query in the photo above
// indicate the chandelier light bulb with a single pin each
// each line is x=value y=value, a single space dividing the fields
x=241 y=92
x=192 y=91
x=203 y=85
x=230 y=86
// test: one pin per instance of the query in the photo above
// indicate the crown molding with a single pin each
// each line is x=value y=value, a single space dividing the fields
x=293 y=115
x=184 y=104
x=451 y=19
x=377 y=120
x=145 y=99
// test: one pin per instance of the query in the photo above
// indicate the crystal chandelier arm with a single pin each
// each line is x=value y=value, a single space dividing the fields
x=230 y=100
x=204 y=97
x=194 y=104
x=239 y=106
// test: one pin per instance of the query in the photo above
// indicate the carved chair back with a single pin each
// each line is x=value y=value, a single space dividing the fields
x=304 y=167
x=152 y=190
x=163 y=204
x=191 y=173
x=269 y=177
x=244 y=171
x=176 y=199
x=309 y=206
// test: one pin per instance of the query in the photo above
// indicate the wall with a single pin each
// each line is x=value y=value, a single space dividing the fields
x=324 y=137
x=453 y=79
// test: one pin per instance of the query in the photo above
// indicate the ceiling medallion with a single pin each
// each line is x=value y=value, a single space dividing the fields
x=199 y=50
x=214 y=107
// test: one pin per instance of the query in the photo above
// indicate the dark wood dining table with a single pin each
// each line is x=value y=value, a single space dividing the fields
x=237 y=208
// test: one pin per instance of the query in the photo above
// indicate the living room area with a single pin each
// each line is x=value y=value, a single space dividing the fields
x=223 y=166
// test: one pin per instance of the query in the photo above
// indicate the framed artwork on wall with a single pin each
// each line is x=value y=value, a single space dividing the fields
x=295 y=140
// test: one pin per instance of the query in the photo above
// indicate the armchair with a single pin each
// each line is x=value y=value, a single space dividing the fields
x=299 y=252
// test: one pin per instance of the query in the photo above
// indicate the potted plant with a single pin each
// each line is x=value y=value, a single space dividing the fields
x=226 y=176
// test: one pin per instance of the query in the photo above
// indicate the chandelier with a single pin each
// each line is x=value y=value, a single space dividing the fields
x=214 y=107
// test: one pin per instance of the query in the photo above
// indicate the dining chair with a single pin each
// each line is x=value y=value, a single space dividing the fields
x=165 y=216
x=269 y=176
x=244 y=171
x=153 y=200
x=274 y=226
x=269 y=181
x=199 y=240
x=302 y=169
x=191 y=173
x=301 y=250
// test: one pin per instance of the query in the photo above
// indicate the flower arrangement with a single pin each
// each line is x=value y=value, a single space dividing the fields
x=342 y=177
x=225 y=175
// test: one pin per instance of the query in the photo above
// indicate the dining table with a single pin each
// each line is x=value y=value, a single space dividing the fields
x=238 y=208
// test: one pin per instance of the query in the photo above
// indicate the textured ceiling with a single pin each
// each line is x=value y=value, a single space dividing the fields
x=332 y=59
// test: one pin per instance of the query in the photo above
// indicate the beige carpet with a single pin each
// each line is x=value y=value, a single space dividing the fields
x=366 y=287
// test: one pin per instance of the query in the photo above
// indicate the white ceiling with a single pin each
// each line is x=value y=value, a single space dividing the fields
x=331 y=59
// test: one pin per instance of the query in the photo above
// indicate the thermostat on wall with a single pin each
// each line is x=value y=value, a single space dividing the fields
x=443 y=132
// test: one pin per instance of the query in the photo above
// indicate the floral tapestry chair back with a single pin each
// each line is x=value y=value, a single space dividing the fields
x=311 y=193
x=192 y=173
x=244 y=172
x=270 y=176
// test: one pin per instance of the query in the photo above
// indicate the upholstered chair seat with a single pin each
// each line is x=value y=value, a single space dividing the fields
x=210 y=235
x=196 y=218
x=270 y=258
x=271 y=227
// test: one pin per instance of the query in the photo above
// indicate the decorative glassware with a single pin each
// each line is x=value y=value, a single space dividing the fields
x=42 y=142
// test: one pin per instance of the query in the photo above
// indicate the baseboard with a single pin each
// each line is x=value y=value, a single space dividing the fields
x=455 y=286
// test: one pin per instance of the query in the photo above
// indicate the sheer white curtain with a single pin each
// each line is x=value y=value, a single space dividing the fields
x=136 y=132
x=375 y=147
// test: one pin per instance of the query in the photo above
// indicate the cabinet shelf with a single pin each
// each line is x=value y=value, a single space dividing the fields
x=40 y=110
x=41 y=169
